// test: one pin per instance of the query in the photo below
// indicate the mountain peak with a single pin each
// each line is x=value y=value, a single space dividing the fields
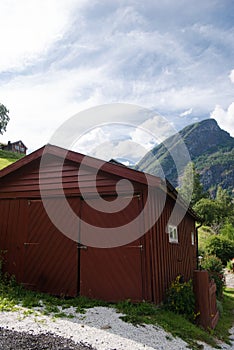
x=210 y=148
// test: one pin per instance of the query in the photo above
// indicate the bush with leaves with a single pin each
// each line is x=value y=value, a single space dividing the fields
x=208 y=210
x=230 y=266
x=180 y=298
x=214 y=266
x=220 y=246
x=227 y=231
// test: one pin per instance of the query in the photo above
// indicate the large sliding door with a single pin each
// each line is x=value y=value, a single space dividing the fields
x=111 y=273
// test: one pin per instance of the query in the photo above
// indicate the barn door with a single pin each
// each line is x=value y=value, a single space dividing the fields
x=50 y=259
x=111 y=274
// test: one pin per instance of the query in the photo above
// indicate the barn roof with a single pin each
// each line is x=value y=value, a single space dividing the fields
x=108 y=167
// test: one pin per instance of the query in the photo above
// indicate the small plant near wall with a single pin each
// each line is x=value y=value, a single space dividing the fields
x=214 y=266
x=180 y=298
x=230 y=266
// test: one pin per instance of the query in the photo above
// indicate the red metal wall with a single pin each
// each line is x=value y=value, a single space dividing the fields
x=112 y=274
x=49 y=261
x=163 y=259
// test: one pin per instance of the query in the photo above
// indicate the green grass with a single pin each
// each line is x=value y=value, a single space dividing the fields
x=227 y=316
x=175 y=324
x=13 y=296
x=7 y=158
x=203 y=233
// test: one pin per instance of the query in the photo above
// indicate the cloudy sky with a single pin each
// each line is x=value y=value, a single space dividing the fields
x=62 y=57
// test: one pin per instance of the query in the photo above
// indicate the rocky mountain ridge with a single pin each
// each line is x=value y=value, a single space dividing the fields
x=210 y=148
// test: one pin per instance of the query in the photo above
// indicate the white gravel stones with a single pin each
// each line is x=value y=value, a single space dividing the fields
x=99 y=327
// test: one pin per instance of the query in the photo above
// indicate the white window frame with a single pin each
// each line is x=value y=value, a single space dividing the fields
x=173 y=234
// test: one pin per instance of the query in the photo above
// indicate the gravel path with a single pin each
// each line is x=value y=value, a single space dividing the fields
x=100 y=328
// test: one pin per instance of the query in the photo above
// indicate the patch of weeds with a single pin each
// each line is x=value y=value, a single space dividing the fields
x=7 y=304
x=177 y=325
x=136 y=313
x=227 y=316
x=28 y=312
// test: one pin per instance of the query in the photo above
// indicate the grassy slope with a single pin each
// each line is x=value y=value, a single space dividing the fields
x=6 y=158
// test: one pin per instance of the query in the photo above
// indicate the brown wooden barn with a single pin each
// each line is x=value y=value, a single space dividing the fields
x=43 y=258
x=17 y=147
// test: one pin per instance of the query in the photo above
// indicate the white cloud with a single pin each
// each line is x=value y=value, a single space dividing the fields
x=39 y=104
x=187 y=112
x=124 y=140
x=152 y=131
x=82 y=54
x=231 y=76
x=29 y=27
x=126 y=149
x=225 y=119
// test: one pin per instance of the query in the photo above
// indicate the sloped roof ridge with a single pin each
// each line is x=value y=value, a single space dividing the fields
x=125 y=172
x=76 y=157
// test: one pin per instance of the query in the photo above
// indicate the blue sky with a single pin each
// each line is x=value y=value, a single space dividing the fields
x=58 y=58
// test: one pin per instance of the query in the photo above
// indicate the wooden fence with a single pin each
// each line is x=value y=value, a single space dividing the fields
x=205 y=293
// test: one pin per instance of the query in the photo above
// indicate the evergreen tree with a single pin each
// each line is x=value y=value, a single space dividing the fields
x=226 y=204
x=191 y=188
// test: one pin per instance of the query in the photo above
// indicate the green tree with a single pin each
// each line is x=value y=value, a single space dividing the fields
x=227 y=231
x=220 y=246
x=191 y=188
x=208 y=210
x=4 y=118
x=226 y=204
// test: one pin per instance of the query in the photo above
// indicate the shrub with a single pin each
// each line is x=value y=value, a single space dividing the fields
x=220 y=246
x=227 y=231
x=212 y=263
x=214 y=266
x=180 y=298
x=230 y=266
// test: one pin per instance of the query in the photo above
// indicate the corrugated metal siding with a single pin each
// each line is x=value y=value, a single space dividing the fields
x=116 y=273
x=36 y=253
x=51 y=259
x=12 y=234
x=24 y=182
x=166 y=260
x=112 y=274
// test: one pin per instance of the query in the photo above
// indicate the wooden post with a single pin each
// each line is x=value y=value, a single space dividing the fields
x=205 y=299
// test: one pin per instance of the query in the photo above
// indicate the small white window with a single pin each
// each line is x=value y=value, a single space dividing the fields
x=173 y=234
x=192 y=238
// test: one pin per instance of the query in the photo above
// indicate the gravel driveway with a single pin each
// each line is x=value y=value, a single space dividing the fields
x=100 y=328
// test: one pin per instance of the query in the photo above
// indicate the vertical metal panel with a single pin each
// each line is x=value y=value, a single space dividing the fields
x=112 y=273
x=11 y=235
x=51 y=259
x=167 y=260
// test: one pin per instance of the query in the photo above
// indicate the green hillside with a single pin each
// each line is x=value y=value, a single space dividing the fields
x=6 y=158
